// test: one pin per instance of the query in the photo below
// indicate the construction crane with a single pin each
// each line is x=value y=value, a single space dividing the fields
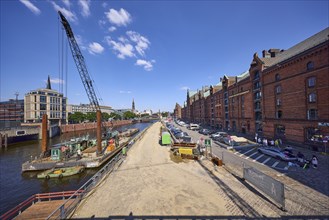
x=80 y=63
x=85 y=78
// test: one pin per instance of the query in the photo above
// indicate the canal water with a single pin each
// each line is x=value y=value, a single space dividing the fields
x=15 y=186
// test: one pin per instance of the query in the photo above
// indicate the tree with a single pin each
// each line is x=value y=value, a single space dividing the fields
x=129 y=115
x=115 y=116
x=145 y=115
x=105 y=116
x=91 y=116
x=164 y=114
x=77 y=117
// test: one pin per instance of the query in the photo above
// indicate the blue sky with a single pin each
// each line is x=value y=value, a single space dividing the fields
x=147 y=50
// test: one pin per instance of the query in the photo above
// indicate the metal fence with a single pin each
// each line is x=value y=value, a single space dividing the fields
x=66 y=209
x=296 y=201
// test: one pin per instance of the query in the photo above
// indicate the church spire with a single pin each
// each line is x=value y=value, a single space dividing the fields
x=48 y=83
x=133 y=106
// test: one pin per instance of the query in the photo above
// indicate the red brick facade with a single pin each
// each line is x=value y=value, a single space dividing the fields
x=284 y=94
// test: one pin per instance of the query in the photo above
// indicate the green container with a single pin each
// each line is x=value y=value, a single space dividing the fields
x=165 y=138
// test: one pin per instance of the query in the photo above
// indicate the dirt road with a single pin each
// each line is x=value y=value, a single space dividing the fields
x=149 y=183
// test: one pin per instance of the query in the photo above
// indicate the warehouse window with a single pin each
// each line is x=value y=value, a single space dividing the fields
x=310 y=65
x=279 y=114
x=278 y=89
x=277 y=77
x=312 y=97
x=311 y=81
x=312 y=114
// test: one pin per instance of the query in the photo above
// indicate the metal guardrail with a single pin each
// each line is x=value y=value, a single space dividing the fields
x=72 y=202
x=17 y=210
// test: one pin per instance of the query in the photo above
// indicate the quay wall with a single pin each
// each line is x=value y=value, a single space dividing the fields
x=91 y=125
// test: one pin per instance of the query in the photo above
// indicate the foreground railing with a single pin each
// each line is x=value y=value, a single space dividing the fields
x=17 y=210
x=72 y=202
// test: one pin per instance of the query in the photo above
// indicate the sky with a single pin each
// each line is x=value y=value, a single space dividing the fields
x=149 y=51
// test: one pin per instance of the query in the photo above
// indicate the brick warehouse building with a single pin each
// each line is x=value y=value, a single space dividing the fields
x=284 y=94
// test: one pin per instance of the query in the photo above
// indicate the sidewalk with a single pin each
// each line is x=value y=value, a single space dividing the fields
x=317 y=179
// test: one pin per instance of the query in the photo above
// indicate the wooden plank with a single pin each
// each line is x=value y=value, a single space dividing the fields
x=41 y=210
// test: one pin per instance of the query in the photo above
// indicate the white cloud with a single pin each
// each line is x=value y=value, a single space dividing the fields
x=104 y=4
x=84 y=4
x=31 y=6
x=67 y=3
x=112 y=28
x=123 y=39
x=119 y=18
x=125 y=92
x=184 y=88
x=67 y=13
x=95 y=48
x=142 y=43
x=80 y=42
x=148 y=66
x=123 y=50
x=101 y=23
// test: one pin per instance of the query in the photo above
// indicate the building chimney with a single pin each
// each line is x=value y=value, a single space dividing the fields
x=266 y=54
x=274 y=52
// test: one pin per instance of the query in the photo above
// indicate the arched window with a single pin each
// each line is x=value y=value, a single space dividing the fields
x=310 y=65
x=277 y=77
x=312 y=97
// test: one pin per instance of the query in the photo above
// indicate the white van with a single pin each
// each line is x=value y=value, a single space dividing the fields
x=194 y=126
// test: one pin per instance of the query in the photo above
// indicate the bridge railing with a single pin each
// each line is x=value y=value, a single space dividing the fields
x=66 y=209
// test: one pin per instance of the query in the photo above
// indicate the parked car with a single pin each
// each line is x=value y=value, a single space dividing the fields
x=181 y=135
x=204 y=131
x=277 y=153
x=194 y=126
x=218 y=134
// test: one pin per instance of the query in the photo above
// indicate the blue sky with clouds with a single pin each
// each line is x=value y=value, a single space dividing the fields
x=147 y=50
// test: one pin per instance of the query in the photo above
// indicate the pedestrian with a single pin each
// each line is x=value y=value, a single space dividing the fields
x=256 y=138
x=300 y=157
x=79 y=154
x=314 y=161
x=280 y=142
x=124 y=151
x=259 y=140
x=276 y=142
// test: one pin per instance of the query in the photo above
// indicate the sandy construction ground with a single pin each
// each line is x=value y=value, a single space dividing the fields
x=149 y=183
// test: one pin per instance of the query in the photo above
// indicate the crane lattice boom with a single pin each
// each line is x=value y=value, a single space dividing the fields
x=80 y=63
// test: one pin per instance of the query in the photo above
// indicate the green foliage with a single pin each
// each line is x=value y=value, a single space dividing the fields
x=91 y=116
x=115 y=116
x=77 y=117
x=105 y=116
x=164 y=114
x=144 y=115
x=129 y=115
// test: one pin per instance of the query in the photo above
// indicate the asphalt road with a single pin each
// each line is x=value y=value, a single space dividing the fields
x=247 y=155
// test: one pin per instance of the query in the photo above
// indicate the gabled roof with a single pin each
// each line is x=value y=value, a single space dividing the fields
x=192 y=93
x=310 y=42
x=206 y=94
